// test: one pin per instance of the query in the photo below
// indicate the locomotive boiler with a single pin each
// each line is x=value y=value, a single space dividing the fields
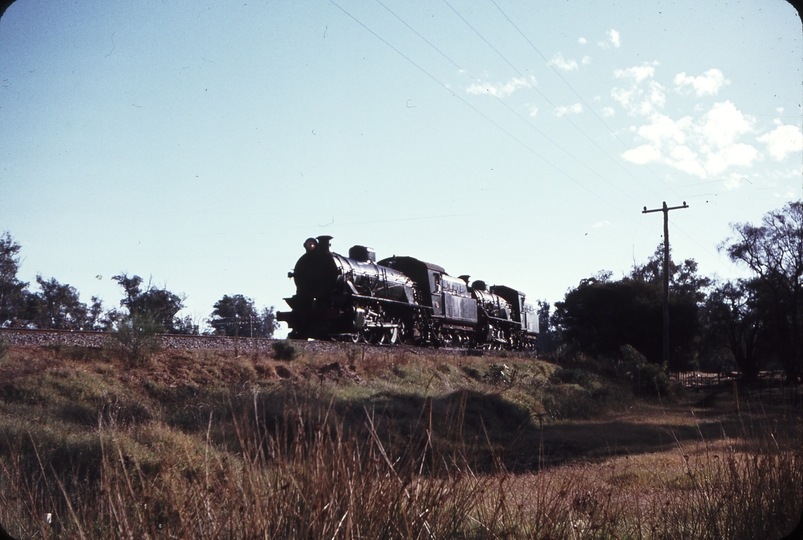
x=348 y=297
x=401 y=299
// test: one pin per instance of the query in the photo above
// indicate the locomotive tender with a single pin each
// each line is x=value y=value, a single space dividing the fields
x=401 y=300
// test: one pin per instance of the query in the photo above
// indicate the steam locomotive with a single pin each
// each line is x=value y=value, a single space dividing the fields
x=401 y=300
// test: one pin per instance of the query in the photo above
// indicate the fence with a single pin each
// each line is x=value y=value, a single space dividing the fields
x=769 y=388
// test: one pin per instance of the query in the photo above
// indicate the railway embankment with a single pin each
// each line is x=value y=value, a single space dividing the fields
x=361 y=438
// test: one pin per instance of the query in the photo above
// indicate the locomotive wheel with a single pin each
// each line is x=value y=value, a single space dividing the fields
x=403 y=332
x=393 y=335
x=375 y=336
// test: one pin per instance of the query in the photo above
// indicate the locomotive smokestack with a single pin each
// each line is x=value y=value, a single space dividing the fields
x=323 y=243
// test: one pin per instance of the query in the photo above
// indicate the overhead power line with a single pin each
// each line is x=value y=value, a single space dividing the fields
x=506 y=105
x=503 y=130
x=523 y=35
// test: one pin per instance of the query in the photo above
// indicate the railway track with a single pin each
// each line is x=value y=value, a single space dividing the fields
x=25 y=337
x=42 y=338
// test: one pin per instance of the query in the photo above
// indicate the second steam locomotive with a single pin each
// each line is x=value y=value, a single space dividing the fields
x=401 y=300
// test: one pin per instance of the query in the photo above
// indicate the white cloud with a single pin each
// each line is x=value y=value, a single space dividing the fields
x=533 y=110
x=643 y=94
x=582 y=41
x=708 y=83
x=736 y=155
x=561 y=63
x=707 y=146
x=723 y=124
x=782 y=141
x=685 y=159
x=638 y=73
x=663 y=130
x=586 y=60
x=638 y=99
x=608 y=112
x=501 y=89
x=600 y=224
x=646 y=153
x=577 y=108
x=612 y=41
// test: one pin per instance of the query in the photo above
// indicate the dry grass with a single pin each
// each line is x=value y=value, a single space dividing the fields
x=203 y=445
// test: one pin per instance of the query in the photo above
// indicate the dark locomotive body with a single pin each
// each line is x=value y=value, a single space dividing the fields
x=401 y=299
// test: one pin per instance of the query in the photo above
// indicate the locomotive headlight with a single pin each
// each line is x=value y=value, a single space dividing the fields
x=310 y=244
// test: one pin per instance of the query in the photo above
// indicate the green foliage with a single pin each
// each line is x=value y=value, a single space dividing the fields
x=236 y=315
x=735 y=321
x=58 y=306
x=774 y=252
x=159 y=306
x=499 y=374
x=653 y=379
x=577 y=376
x=601 y=315
x=284 y=350
x=136 y=337
x=631 y=356
x=12 y=290
x=648 y=378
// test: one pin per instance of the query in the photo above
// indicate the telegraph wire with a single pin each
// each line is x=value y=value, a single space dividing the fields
x=683 y=232
x=556 y=71
x=502 y=56
x=581 y=99
x=503 y=130
x=567 y=118
x=639 y=223
x=507 y=106
x=578 y=128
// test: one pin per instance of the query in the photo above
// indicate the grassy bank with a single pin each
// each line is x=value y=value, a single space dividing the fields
x=377 y=443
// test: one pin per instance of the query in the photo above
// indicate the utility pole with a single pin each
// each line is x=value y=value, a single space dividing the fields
x=665 y=209
x=237 y=333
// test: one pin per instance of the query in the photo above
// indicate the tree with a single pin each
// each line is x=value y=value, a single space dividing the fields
x=160 y=305
x=94 y=319
x=774 y=252
x=683 y=278
x=267 y=322
x=601 y=316
x=734 y=320
x=546 y=338
x=58 y=306
x=236 y=315
x=12 y=291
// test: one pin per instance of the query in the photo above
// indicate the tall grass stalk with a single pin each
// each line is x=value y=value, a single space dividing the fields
x=307 y=473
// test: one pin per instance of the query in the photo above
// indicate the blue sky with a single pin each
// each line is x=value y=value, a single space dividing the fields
x=200 y=143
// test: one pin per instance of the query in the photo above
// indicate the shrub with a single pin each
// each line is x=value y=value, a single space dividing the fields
x=284 y=350
x=137 y=338
x=576 y=376
x=653 y=379
x=647 y=378
x=498 y=374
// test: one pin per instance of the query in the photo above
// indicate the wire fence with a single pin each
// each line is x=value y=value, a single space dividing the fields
x=769 y=387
